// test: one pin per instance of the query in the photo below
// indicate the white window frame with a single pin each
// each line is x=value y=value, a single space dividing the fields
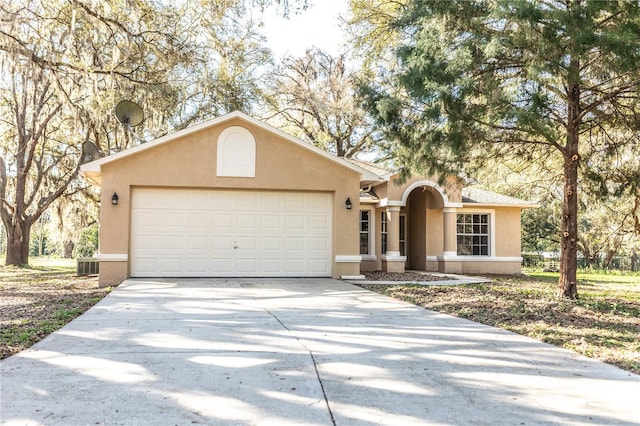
x=372 y=250
x=384 y=232
x=492 y=232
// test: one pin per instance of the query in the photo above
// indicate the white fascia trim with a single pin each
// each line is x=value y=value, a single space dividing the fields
x=473 y=259
x=113 y=257
x=348 y=259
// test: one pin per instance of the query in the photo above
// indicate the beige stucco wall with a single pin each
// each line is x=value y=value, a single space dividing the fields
x=508 y=232
x=190 y=162
x=428 y=213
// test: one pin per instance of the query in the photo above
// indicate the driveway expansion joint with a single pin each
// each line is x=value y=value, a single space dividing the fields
x=315 y=364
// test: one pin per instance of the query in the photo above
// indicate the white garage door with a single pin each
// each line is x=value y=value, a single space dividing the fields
x=221 y=233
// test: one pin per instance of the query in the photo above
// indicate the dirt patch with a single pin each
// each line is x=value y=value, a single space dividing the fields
x=406 y=277
x=36 y=302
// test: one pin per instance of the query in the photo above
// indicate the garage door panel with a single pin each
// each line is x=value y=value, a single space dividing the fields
x=295 y=200
x=319 y=266
x=271 y=244
x=294 y=266
x=222 y=243
x=319 y=244
x=294 y=222
x=246 y=265
x=230 y=233
x=173 y=243
x=199 y=200
x=270 y=266
x=197 y=266
x=247 y=222
x=171 y=265
x=272 y=201
x=146 y=242
x=295 y=243
x=318 y=222
x=271 y=221
x=197 y=242
x=223 y=266
x=246 y=243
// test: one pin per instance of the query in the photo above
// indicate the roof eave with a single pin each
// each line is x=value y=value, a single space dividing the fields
x=519 y=205
x=96 y=166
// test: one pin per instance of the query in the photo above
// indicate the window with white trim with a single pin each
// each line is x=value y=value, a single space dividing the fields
x=364 y=232
x=473 y=234
x=383 y=232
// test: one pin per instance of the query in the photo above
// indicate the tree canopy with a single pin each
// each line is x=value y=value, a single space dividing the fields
x=525 y=79
x=66 y=63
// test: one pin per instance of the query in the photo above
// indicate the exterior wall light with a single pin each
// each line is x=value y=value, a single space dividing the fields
x=114 y=199
x=348 y=204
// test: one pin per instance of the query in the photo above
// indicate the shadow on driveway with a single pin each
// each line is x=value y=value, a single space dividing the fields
x=298 y=351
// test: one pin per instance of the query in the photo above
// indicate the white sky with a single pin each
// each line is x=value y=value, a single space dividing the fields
x=317 y=26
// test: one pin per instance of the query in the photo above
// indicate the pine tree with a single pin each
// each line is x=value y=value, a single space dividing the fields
x=478 y=80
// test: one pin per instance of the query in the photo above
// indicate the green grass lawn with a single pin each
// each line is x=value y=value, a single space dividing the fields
x=604 y=323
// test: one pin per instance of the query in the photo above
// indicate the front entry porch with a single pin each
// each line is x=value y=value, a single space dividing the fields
x=421 y=227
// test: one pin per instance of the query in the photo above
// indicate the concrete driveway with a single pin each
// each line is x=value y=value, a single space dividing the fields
x=293 y=352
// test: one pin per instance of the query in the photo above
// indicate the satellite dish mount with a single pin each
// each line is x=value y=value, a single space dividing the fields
x=129 y=113
x=90 y=151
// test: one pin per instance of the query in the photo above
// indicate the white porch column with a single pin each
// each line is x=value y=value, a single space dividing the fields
x=392 y=261
x=448 y=263
x=450 y=232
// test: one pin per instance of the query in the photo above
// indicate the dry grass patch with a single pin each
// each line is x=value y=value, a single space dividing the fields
x=603 y=324
x=36 y=301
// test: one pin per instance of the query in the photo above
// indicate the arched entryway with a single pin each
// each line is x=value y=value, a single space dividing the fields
x=423 y=209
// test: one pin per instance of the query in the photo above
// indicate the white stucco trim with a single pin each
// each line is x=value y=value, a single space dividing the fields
x=113 y=257
x=368 y=257
x=384 y=202
x=473 y=259
x=340 y=258
x=393 y=257
x=438 y=188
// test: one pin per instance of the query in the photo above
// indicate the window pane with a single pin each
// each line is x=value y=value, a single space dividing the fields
x=364 y=243
x=473 y=234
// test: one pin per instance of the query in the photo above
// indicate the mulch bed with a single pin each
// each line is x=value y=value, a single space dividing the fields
x=401 y=276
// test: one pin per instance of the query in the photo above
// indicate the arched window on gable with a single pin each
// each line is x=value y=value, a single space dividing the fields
x=236 y=153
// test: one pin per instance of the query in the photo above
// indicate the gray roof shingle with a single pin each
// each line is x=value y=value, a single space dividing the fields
x=472 y=195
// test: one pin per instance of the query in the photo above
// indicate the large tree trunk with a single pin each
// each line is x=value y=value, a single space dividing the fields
x=567 y=284
x=18 y=244
x=68 y=249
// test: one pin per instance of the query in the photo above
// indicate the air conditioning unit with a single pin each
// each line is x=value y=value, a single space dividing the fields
x=88 y=266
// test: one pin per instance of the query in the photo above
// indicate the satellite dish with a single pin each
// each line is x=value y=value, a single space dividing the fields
x=90 y=151
x=129 y=113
